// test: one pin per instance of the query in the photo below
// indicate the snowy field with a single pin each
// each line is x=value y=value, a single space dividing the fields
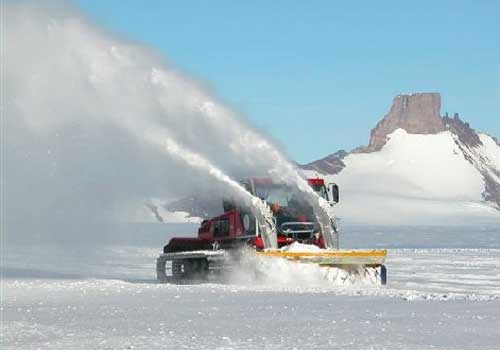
x=443 y=295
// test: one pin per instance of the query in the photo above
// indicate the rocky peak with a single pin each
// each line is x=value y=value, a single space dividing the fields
x=416 y=113
x=465 y=133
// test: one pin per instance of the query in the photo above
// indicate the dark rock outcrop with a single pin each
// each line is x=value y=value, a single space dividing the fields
x=492 y=190
x=465 y=133
x=416 y=113
x=201 y=207
x=331 y=164
x=154 y=211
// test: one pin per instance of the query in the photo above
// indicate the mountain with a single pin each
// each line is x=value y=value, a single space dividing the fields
x=331 y=164
x=418 y=167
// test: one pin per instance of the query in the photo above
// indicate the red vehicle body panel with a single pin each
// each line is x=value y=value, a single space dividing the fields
x=222 y=229
x=316 y=182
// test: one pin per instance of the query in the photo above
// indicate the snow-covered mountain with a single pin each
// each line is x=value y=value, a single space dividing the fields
x=419 y=167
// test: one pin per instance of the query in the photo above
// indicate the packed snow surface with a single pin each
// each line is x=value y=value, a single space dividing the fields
x=443 y=292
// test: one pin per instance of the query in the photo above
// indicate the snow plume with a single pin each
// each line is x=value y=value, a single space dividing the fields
x=83 y=117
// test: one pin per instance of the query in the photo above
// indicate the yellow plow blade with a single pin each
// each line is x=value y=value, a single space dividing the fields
x=333 y=257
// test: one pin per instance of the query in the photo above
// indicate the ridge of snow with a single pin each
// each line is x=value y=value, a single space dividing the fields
x=417 y=178
x=419 y=166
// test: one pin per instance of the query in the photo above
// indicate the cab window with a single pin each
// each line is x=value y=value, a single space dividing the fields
x=221 y=228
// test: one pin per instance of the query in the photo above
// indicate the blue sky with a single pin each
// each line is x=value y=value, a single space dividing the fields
x=318 y=75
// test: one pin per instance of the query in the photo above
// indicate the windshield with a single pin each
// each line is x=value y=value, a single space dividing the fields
x=320 y=191
x=280 y=194
x=283 y=194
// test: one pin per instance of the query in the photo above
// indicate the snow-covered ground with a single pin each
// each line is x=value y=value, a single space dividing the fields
x=444 y=295
x=115 y=314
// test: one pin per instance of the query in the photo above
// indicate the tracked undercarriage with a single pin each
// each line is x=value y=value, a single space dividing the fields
x=341 y=267
x=196 y=265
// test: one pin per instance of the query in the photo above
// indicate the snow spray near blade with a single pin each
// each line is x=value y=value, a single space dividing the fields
x=269 y=272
